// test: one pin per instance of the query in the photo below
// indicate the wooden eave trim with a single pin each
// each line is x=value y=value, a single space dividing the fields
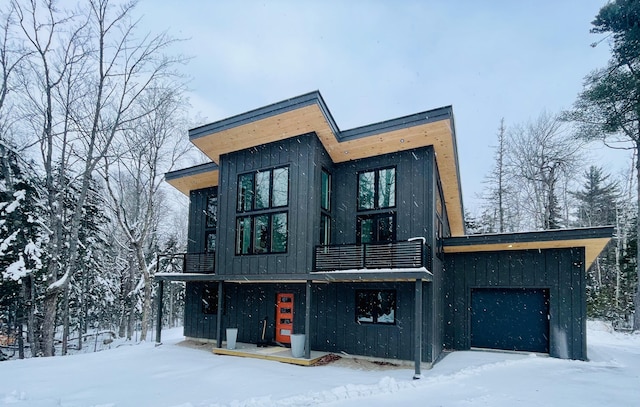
x=593 y=247
x=365 y=142
x=201 y=180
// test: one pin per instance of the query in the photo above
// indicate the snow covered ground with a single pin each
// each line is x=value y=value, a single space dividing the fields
x=180 y=376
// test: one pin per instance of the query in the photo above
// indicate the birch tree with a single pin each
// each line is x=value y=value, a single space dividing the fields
x=87 y=75
x=134 y=180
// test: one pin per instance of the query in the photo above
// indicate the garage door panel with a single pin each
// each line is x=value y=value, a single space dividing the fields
x=510 y=319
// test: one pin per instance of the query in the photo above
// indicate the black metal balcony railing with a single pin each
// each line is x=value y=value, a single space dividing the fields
x=199 y=263
x=393 y=255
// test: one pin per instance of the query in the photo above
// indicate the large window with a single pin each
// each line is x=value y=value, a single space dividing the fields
x=263 y=189
x=259 y=228
x=325 y=208
x=376 y=307
x=377 y=189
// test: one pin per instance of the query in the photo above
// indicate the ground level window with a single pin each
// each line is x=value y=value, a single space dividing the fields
x=376 y=307
x=210 y=298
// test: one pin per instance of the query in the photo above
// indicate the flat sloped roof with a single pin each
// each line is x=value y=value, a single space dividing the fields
x=593 y=239
x=308 y=113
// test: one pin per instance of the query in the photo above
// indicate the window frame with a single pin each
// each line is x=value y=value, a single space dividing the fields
x=209 y=307
x=362 y=319
x=269 y=232
x=376 y=216
x=376 y=189
x=243 y=195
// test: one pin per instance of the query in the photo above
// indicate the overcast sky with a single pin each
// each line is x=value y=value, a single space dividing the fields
x=378 y=60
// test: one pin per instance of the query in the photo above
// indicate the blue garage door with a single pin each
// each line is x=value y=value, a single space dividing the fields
x=510 y=319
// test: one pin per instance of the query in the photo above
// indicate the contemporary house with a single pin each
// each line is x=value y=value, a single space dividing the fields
x=356 y=239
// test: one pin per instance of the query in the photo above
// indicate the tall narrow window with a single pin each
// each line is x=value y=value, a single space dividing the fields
x=263 y=185
x=377 y=189
x=209 y=298
x=245 y=192
x=279 y=233
x=210 y=245
x=326 y=191
x=243 y=235
x=366 y=190
x=280 y=187
x=325 y=230
x=386 y=188
x=212 y=211
x=261 y=234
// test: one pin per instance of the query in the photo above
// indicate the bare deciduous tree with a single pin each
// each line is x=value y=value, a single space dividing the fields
x=542 y=158
x=146 y=151
x=88 y=75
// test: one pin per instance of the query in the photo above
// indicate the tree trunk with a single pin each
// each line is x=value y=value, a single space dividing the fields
x=131 y=297
x=146 y=301
x=636 y=298
x=33 y=331
x=65 y=321
x=50 y=305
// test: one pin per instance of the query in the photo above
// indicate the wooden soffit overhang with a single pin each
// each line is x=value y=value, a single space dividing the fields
x=594 y=240
x=308 y=113
x=190 y=179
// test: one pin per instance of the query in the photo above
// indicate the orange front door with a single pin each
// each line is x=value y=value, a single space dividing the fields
x=284 y=317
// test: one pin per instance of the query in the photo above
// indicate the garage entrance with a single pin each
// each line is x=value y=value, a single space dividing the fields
x=510 y=319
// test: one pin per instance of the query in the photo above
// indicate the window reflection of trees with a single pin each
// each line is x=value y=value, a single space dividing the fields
x=375 y=306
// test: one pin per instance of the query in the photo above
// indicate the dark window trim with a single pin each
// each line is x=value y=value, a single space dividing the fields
x=376 y=193
x=374 y=316
x=253 y=173
x=212 y=307
x=209 y=218
x=329 y=192
x=252 y=217
x=374 y=215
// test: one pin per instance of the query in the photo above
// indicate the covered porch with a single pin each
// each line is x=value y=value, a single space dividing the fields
x=306 y=285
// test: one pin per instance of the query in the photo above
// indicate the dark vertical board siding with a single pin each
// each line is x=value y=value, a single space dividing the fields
x=303 y=210
x=561 y=271
x=414 y=209
x=196 y=323
x=339 y=331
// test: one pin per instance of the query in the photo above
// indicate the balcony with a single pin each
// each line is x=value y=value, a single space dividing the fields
x=187 y=263
x=406 y=254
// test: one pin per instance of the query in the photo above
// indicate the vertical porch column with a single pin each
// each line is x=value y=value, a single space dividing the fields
x=219 y=315
x=307 y=320
x=418 y=329
x=160 y=294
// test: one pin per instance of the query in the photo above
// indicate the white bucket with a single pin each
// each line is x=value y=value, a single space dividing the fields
x=297 y=345
x=232 y=335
